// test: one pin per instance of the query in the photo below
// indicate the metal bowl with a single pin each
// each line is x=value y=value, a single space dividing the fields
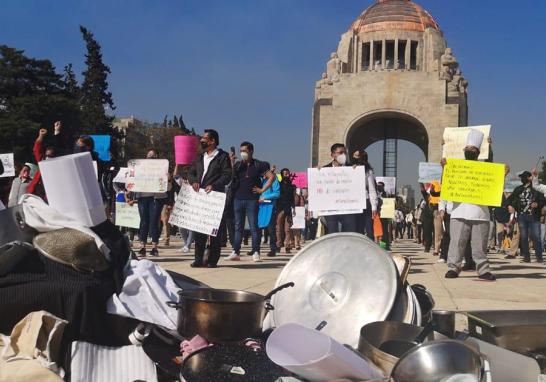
x=440 y=361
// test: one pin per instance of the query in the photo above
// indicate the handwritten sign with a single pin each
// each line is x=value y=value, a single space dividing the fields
x=300 y=179
x=127 y=216
x=121 y=176
x=429 y=172
x=455 y=141
x=390 y=184
x=147 y=175
x=298 y=221
x=8 y=165
x=337 y=188
x=474 y=182
x=387 y=208
x=198 y=211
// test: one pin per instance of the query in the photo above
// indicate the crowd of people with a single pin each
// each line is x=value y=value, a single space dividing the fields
x=261 y=206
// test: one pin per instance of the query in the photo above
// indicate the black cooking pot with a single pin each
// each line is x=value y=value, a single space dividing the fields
x=222 y=315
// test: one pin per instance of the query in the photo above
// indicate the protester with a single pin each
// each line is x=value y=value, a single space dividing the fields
x=167 y=209
x=418 y=227
x=210 y=171
x=19 y=186
x=528 y=203
x=180 y=177
x=427 y=220
x=41 y=152
x=399 y=219
x=299 y=201
x=409 y=224
x=383 y=233
x=364 y=221
x=268 y=212
x=248 y=175
x=286 y=208
x=445 y=209
x=434 y=200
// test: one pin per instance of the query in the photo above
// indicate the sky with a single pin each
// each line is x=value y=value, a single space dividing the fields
x=248 y=67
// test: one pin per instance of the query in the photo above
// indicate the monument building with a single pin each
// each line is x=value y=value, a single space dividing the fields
x=393 y=77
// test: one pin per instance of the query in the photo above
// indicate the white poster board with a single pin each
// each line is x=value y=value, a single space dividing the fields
x=127 y=216
x=429 y=172
x=121 y=175
x=337 y=188
x=198 y=211
x=388 y=208
x=298 y=221
x=455 y=141
x=8 y=164
x=147 y=175
x=390 y=184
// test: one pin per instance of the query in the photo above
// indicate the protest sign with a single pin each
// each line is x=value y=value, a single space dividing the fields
x=390 y=184
x=102 y=146
x=121 y=175
x=147 y=175
x=127 y=216
x=8 y=165
x=510 y=185
x=298 y=221
x=429 y=172
x=455 y=141
x=300 y=179
x=185 y=149
x=337 y=188
x=387 y=208
x=198 y=211
x=475 y=182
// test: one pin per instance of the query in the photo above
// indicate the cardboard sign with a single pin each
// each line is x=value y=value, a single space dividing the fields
x=121 y=176
x=300 y=179
x=127 y=216
x=185 y=149
x=388 y=208
x=147 y=175
x=467 y=181
x=390 y=184
x=455 y=141
x=337 y=188
x=102 y=146
x=198 y=211
x=429 y=172
x=298 y=221
x=8 y=165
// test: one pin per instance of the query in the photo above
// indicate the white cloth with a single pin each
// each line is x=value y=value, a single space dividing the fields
x=468 y=211
x=146 y=290
x=207 y=158
x=475 y=138
x=539 y=187
x=44 y=218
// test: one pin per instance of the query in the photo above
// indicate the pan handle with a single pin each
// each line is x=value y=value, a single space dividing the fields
x=279 y=288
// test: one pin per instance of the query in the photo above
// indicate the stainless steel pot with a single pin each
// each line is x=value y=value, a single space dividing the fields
x=222 y=315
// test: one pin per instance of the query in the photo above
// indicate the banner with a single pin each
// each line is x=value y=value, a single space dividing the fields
x=337 y=188
x=127 y=216
x=387 y=208
x=474 y=182
x=390 y=184
x=429 y=172
x=147 y=175
x=455 y=141
x=185 y=149
x=102 y=146
x=8 y=165
x=298 y=221
x=300 y=179
x=198 y=211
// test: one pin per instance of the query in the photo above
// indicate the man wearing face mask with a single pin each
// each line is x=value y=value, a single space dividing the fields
x=338 y=153
x=36 y=186
x=469 y=222
x=247 y=188
x=528 y=203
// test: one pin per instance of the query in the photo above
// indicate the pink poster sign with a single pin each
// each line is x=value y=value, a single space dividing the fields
x=185 y=149
x=300 y=179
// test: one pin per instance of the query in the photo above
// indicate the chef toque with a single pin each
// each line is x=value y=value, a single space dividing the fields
x=475 y=138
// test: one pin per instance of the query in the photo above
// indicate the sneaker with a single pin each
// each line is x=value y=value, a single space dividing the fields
x=451 y=274
x=441 y=261
x=256 y=257
x=154 y=252
x=271 y=254
x=525 y=261
x=488 y=276
x=233 y=257
x=185 y=249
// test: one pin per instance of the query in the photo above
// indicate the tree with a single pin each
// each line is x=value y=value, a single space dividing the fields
x=175 y=122
x=542 y=175
x=95 y=97
x=70 y=83
x=165 y=123
x=183 y=125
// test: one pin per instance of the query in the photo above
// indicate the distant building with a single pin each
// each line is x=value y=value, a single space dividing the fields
x=121 y=125
x=408 y=195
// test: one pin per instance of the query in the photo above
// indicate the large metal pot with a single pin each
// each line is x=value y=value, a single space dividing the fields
x=222 y=315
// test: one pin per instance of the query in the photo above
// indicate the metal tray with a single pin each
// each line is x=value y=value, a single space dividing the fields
x=522 y=331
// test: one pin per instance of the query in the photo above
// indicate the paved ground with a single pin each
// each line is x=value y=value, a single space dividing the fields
x=519 y=286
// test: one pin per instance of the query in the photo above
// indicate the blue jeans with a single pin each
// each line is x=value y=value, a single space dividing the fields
x=149 y=210
x=529 y=225
x=243 y=209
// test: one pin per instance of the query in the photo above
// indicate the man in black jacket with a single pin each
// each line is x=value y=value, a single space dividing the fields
x=528 y=203
x=211 y=171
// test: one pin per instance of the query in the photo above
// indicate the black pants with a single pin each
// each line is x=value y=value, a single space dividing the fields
x=446 y=239
x=311 y=227
x=385 y=224
x=428 y=233
x=215 y=246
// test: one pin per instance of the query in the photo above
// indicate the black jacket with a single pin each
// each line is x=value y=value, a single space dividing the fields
x=514 y=201
x=218 y=174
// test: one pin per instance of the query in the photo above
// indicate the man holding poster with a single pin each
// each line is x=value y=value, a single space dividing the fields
x=211 y=171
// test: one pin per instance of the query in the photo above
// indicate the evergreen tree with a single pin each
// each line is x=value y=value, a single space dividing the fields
x=170 y=124
x=175 y=122
x=70 y=83
x=183 y=125
x=95 y=95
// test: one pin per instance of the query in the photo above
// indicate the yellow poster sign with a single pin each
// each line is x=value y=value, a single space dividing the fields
x=475 y=182
x=387 y=208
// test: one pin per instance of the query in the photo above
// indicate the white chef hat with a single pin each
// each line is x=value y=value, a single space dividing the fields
x=474 y=138
x=72 y=188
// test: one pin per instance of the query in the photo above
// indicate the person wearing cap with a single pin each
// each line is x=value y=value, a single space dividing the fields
x=19 y=186
x=469 y=222
x=528 y=203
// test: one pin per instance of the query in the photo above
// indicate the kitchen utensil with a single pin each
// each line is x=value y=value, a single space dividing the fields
x=403 y=265
x=425 y=302
x=444 y=322
x=398 y=347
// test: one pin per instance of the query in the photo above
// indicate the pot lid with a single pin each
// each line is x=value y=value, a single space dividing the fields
x=344 y=280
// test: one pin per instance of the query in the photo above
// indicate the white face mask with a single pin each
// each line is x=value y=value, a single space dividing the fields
x=341 y=159
x=244 y=155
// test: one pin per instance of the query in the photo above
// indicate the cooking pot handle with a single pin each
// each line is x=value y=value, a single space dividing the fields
x=270 y=294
